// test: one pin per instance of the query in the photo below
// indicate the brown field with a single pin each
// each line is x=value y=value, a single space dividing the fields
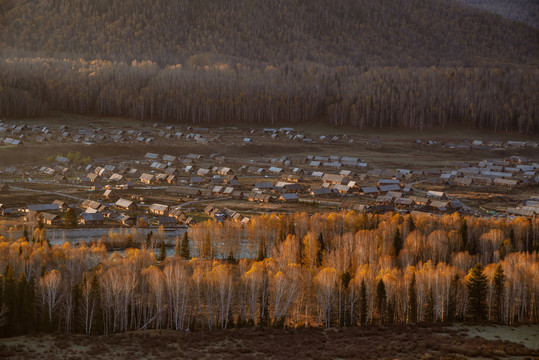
x=372 y=342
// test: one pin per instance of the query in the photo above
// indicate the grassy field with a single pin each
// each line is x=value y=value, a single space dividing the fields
x=372 y=342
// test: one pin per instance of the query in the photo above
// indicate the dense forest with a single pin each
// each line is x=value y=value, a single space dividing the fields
x=526 y=11
x=329 y=269
x=418 y=63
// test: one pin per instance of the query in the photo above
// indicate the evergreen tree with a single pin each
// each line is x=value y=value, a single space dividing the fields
x=381 y=300
x=397 y=242
x=25 y=233
x=463 y=231
x=70 y=218
x=149 y=239
x=412 y=300
x=185 y=251
x=98 y=327
x=499 y=288
x=321 y=250
x=261 y=251
x=9 y=298
x=76 y=294
x=40 y=222
x=162 y=252
x=452 y=306
x=477 y=293
x=411 y=223
x=363 y=303
x=429 y=307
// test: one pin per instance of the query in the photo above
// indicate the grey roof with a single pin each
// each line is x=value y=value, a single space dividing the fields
x=92 y=217
x=43 y=207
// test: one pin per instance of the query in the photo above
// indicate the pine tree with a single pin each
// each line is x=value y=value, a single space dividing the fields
x=429 y=307
x=499 y=288
x=70 y=218
x=363 y=303
x=40 y=222
x=463 y=231
x=25 y=234
x=412 y=301
x=452 y=306
x=381 y=300
x=411 y=223
x=98 y=327
x=321 y=250
x=477 y=293
x=149 y=242
x=76 y=294
x=261 y=251
x=162 y=252
x=397 y=242
x=9 y=298
x=185 y=251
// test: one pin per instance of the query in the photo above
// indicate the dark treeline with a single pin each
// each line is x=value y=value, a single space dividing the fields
x=418 y=63
x=488 y=98
x=329 y=269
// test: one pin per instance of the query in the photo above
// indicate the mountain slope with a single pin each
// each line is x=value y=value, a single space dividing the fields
x=364 y=63
x=526 y=11
x=347 y=32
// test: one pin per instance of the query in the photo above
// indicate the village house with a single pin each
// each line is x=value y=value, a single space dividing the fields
x=166 y=221
x=125 y=204
x=147 y=178
x=289 y=197
x=91 y=219
x=159 y=209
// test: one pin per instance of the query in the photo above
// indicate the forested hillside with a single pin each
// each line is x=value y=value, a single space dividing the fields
x=418 y=63
x=526 y=11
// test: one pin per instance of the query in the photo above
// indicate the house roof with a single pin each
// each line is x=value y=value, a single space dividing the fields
x=123 y=203
x=92 y=217
x=43 y=207
x=158 y=207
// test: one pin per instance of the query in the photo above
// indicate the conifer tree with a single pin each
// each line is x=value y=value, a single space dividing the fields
x=9 y=298
x=381 y=300
x=452 y=306
x=464 y=234
x=149 y=239
x=70 y=218
x=76 y=294
x=321 y=249
x=499 y=288
x=412 y=300
x=429 y=306
x=363 y=303
x=162 y=252
x=477 y=293
x=397 y=242
x=185 y=251
x=261 y=253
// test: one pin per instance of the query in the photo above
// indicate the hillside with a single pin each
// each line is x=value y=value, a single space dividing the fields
x=526 y=11
x=349 y=32
x=417 y=63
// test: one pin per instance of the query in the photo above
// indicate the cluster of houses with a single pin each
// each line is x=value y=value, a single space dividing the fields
x=96 y=213
x=346 y=179
x=479 y=144
x=528 y=207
